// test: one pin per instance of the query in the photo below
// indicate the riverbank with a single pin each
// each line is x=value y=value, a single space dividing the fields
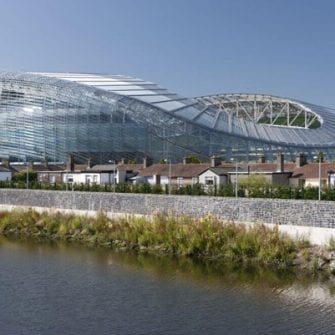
x=207 y=239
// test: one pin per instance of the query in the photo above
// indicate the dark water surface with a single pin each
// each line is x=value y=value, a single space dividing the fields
x=71 y=290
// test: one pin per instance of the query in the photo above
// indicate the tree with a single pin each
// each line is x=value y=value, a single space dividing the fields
x=22 y=176
x=192 y=159
x=320 y=157
x=255 y=185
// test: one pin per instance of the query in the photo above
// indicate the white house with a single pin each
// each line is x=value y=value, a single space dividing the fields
x=310 y=175
x=96 y=175
x=214 y=176
x=175 y=174
x=5 y=174
x=102 y=174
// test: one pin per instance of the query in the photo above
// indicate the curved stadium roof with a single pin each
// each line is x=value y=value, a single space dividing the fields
x=229 y=124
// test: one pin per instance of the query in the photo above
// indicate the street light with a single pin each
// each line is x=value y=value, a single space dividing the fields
x=170 y=177
x=319 y=193
x=113 y=162
x=169 y=181
x=27 y=174
x=236 y=177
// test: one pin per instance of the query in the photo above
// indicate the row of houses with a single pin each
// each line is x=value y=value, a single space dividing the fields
x=213 y=173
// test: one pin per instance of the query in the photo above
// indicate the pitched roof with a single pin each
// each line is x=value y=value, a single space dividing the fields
x=38 y=167
x=130 y=167
x=220 y=170
x=112 y=167
x=102 y=168
x=4 y=169
x=270 y=167
x=177 y=170
x=311 y=170
x=256 y=167
x=80 y=167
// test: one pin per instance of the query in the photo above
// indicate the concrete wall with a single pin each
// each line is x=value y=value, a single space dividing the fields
x=284 y=212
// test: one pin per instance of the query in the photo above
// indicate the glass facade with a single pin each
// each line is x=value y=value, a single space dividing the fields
x=47 y=116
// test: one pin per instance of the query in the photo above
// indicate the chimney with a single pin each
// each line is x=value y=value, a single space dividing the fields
x=5 y=163
x=184 y=160
x=89 y=163
x=215 y=161
x=261 y=159
x=70 y=163
x=301 y=160
x=147 y=161
x=280 y=162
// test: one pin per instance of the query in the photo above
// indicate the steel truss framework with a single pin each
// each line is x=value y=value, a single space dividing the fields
x=49 y=115
x=262 y=109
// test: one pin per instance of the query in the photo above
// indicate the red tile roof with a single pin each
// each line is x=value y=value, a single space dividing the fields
x=130 y=167
x=311 y=170
x=270 y=167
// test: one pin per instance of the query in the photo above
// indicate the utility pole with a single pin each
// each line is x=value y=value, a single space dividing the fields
x=27 y=174
x=236 y=177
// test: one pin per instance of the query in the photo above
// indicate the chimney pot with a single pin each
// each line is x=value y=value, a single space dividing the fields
x=280 y=162
x=301 y=160
x=215 y=161
x=261 y=159
x=70 y=163
x=147 y=161
x=5 y=163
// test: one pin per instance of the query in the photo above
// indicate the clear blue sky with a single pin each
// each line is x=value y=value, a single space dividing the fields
x=192 y=47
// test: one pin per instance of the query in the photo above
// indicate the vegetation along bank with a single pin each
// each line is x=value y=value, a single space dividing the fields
x=207 y=239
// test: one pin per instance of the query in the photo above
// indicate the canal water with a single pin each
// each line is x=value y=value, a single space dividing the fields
x=59 y=289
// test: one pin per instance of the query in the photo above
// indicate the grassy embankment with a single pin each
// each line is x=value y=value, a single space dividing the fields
x=207 y=239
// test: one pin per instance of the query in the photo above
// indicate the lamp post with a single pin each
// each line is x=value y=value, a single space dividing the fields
x=113 y=162
x=169 y=177
x=236 y=177
x=27 y=174
x=319 y=193
x=170 y=173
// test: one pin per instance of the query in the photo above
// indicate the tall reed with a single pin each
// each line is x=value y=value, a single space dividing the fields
x=206 y=238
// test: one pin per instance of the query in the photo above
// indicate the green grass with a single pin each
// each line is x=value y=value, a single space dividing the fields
x=207 y=238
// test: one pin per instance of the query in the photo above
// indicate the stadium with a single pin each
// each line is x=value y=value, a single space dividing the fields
x=47 y=116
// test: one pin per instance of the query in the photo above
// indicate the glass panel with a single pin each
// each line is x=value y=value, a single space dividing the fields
x=188 y=112
x=155 y=98
x=170 y=105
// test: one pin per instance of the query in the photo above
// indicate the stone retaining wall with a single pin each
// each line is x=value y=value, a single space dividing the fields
x=285 y=212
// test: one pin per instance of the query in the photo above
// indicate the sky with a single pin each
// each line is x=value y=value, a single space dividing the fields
x=191 y=47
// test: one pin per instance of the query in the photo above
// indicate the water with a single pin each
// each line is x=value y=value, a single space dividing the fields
x=72 y=290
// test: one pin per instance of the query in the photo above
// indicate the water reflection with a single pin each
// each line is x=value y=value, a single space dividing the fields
x=58 y=288
x=184 y=269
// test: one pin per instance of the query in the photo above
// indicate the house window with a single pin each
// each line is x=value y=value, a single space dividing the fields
x=95 y=179
x=88 y=179
x=69 y=179
x=180 y=181
x=195 y=180
x=209 y=181
x=52 y=179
